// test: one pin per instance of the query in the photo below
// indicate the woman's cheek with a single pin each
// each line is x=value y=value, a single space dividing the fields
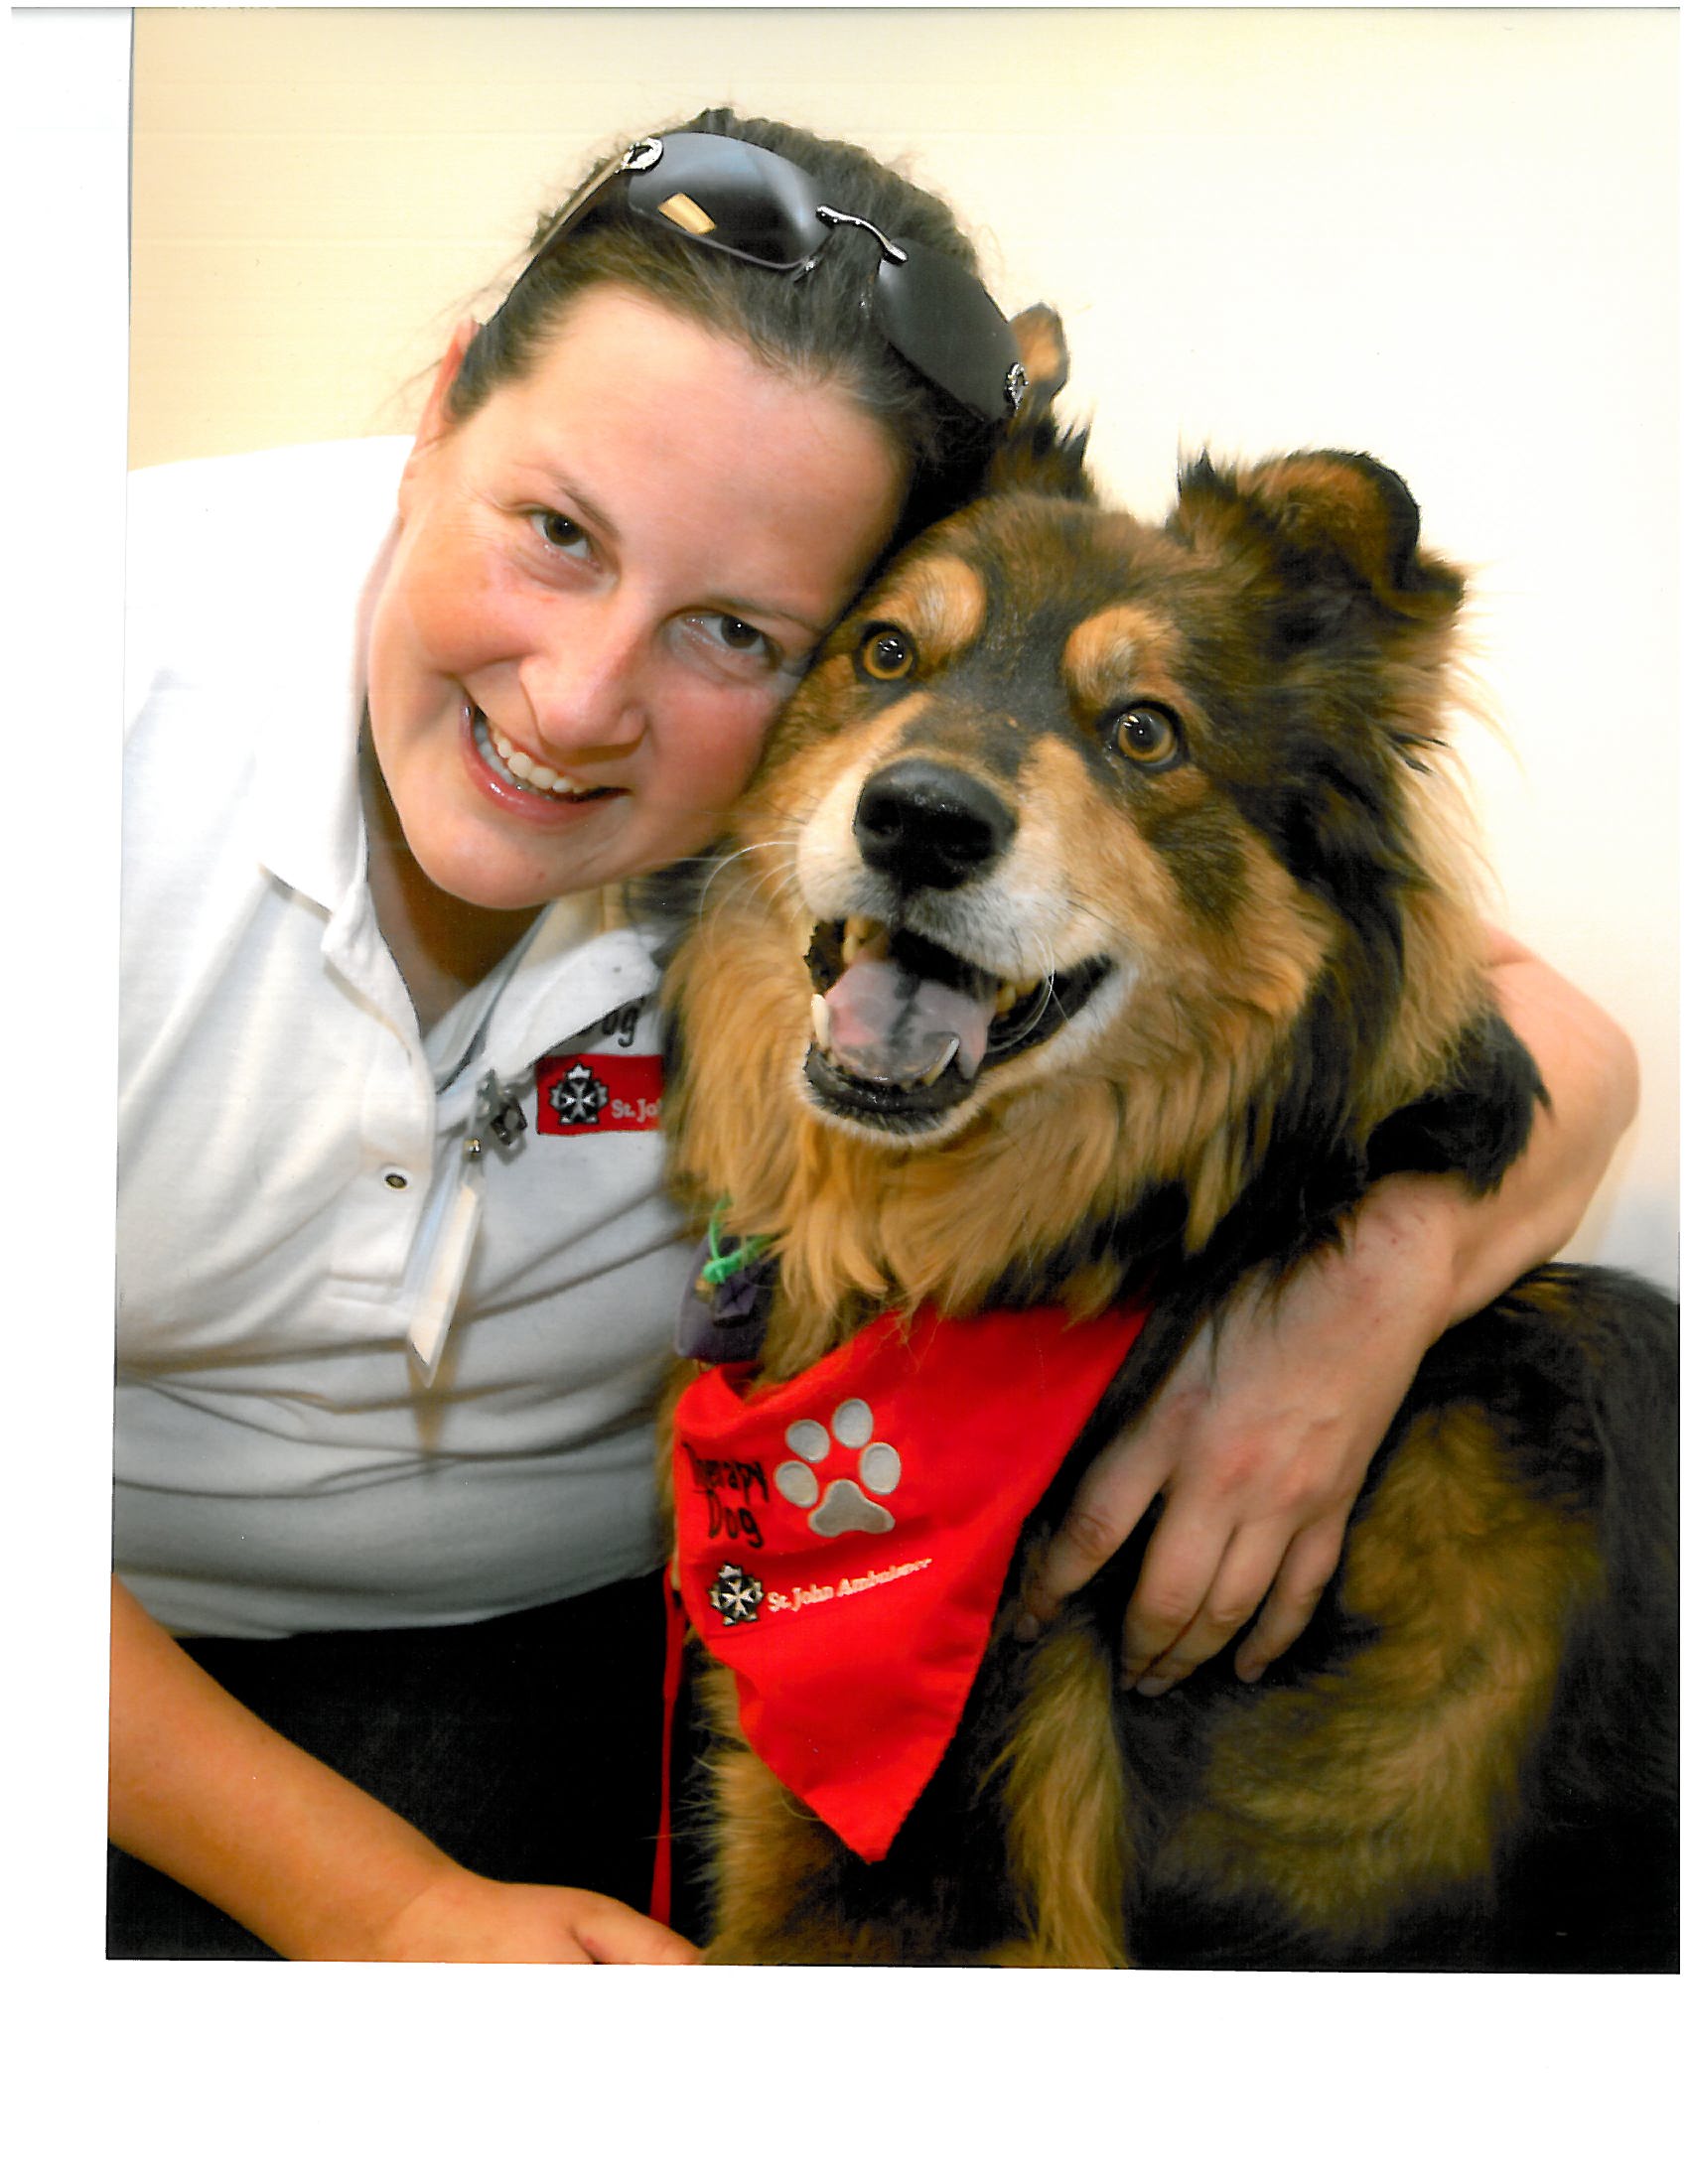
x=706 y=765
x=462 y=610
x=743 y=746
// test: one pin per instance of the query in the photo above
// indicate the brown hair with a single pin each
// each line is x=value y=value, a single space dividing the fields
x=815 y=328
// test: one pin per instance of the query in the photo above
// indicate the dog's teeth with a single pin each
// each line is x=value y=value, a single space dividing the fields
x=820 y=1016
x=1011 y=993
x=858 y=931
x=943 y=1064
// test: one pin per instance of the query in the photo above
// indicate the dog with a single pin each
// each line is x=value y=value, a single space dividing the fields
x=1098 y=930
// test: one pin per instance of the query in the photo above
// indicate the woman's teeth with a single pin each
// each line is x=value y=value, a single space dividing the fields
x=518 y=768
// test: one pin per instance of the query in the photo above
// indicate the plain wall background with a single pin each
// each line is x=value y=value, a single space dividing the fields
x=1446 y=236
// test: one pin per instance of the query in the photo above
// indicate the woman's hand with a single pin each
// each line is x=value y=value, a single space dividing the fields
x=459 y=1918
x=207 y=1793
x=1260 y=1439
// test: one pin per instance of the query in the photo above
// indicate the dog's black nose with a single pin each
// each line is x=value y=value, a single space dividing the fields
x=927 y=825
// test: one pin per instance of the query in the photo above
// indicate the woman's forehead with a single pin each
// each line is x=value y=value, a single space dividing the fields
x=645 y=424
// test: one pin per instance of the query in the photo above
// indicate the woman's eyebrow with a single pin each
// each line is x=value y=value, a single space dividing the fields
x=759 y=611
x=598 y=520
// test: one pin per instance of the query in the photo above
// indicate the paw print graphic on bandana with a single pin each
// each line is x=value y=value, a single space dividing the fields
x=843 y=1507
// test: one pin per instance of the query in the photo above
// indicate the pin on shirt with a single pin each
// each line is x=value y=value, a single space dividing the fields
x=447 y=1240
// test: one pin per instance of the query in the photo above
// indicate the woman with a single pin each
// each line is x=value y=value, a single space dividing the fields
x=383 y=1002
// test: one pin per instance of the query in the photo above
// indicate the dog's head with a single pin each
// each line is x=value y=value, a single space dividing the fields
x=1073 y=804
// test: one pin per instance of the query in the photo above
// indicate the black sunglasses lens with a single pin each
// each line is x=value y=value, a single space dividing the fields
x=943 y=321
x=734 y=195
x=750 y=202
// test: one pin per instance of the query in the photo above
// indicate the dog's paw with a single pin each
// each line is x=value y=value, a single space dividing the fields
x=843 y=1507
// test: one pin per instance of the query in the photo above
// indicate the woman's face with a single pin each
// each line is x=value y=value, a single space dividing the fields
x=605 y=584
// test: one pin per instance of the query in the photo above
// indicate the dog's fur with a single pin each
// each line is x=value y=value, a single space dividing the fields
x=1468 y=1760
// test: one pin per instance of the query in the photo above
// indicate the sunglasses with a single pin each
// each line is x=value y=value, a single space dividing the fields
x=728 y=196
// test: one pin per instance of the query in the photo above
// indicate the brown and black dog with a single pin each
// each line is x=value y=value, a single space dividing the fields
x=1096 y=930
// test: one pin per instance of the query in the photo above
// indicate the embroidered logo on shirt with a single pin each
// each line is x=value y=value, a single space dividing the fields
x=581 y=1093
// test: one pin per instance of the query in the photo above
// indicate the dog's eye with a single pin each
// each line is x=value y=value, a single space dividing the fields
x=886 y=654
x=1148 y=735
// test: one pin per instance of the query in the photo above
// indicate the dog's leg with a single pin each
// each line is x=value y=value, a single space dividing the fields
x=773 y=1862
x=1335 y=1805
x=777 y=1870
x=1064 y=1797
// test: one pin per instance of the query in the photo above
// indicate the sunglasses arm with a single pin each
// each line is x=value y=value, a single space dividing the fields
x=850 y=220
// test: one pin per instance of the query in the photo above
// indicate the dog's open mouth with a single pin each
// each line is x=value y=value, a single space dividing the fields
x=903 y=1028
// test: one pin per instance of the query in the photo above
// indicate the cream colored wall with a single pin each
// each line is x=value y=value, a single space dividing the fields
x=1444 y=235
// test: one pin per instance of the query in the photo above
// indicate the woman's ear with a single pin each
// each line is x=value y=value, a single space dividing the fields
x=433 y=424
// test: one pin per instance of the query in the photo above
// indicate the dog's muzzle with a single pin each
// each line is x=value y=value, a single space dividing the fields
x=904 y=1028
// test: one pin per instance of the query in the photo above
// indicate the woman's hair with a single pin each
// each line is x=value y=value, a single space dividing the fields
x=815 y=328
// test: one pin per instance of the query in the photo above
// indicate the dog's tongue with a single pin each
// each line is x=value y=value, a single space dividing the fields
x=890 y=1025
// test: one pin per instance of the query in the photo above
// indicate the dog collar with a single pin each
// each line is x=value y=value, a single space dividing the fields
x=842 y=1538
x=729 y=1292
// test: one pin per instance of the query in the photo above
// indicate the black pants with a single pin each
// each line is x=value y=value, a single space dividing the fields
x=528 y=1749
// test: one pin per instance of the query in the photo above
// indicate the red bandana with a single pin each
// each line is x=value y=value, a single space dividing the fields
x=843 y=1538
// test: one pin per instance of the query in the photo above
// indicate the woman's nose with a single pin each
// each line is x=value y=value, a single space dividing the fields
x=585 y=689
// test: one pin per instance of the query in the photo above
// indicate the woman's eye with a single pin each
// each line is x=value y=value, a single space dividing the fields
x=727 y=634
x=1148 y=735
x=736 y=636
x=560 y=532
x=886 y=654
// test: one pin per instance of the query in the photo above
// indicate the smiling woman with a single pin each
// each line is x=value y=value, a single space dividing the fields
x=394 y=1307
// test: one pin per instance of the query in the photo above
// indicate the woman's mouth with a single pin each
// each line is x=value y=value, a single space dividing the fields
x=519 y=771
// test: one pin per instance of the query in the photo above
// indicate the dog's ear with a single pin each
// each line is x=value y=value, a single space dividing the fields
x=1036 y=454
x=1041 y=339
x=1339 y=535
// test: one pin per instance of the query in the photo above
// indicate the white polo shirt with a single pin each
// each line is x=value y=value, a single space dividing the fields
x=285 y=1137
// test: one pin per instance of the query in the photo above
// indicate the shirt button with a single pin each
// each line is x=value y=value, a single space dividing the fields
x=395 y=1180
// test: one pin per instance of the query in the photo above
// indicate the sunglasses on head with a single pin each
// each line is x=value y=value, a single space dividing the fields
x=725 y=195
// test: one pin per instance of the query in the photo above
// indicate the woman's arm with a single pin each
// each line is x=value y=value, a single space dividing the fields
x=1261 y=1437
x=206 y=1792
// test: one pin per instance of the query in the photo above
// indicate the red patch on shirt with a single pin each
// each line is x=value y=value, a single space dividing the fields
x=585 y=1095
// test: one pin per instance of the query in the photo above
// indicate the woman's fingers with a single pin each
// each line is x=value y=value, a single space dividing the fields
x=1107 y=1508
x=1198 y=1589
x=1296 y=1590
x=615 y=1933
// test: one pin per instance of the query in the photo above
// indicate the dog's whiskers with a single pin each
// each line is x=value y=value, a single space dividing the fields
x=785 y=848
x=1048 y=975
